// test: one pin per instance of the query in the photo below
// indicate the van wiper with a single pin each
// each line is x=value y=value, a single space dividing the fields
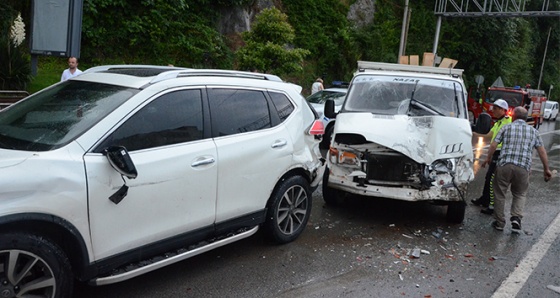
x=421 y=105
x=411 y=98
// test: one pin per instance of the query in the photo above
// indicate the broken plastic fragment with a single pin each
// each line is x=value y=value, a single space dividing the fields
x=425 y=252
x=415 y=253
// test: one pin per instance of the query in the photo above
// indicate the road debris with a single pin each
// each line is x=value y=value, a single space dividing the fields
x=408 y=236
x=554 y=288
x=415 y=253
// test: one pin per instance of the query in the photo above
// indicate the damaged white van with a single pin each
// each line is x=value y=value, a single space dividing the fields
x=402 y=133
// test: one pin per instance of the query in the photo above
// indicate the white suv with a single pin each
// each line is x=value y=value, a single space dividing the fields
x=126 y=169
x=402 y=133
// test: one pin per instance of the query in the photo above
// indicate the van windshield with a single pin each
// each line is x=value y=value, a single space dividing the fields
x=56 y=116
x=398 y=95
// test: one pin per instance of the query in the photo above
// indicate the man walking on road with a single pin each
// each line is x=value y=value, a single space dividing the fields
x=499 y=110
x=514 y=164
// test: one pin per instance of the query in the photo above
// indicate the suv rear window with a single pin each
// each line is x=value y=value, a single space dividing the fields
x=238 y=110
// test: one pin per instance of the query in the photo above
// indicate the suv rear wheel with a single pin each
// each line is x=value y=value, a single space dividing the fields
x=33 y=266
x=289 y=209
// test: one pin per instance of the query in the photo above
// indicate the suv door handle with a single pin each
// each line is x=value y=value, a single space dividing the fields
x=279 y=143
x=203 y=161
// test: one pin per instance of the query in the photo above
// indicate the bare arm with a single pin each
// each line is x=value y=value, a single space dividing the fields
x=544 y=159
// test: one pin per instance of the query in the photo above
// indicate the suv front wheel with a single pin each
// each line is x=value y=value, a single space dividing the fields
x=33 y=266
x=289 y=209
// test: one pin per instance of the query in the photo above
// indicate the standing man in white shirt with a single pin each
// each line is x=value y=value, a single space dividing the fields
x=317 y=86
x=72 y=70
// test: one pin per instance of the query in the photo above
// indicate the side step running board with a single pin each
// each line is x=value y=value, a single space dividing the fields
x=168 y=261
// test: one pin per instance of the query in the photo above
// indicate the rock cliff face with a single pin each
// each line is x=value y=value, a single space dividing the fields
x=238 y=19
x=361 y=13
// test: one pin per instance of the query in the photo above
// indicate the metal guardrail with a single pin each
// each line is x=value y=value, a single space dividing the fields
x=8 y=97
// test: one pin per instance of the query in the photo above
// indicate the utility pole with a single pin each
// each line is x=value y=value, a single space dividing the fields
x=544 y=58
x=404 y=32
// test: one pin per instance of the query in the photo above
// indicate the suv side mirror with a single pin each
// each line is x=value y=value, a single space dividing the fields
x=120 y=161
x=483 y=124
x=329 y=109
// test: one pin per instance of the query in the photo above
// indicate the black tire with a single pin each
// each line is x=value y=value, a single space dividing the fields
x=331 y=196
x=289 y=210
x=456 y=212
x=326 y=141
x=50 y=271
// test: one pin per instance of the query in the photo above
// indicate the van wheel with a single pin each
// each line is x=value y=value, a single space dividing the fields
x=456 y=212
x=331 y=196
x=289 y=210
x=33 y=266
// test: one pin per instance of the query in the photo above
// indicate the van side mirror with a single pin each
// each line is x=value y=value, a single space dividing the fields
x=120 y=161
x=483 y=124
x=329 y=109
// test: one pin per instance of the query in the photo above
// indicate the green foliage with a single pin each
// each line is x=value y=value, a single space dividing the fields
x=15 y=71
x=322 y=28
x=267 y=46
x=380 y=40
x=178 y=32
x=183 y=33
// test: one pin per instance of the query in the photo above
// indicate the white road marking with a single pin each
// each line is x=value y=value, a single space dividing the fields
x=516 y=279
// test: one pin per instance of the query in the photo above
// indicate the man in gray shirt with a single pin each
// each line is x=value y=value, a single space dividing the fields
x=514 y=165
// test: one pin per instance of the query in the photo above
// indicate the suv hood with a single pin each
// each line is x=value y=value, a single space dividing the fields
x=423 y=139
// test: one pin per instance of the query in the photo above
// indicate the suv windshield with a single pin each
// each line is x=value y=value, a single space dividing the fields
x=398 y=95
x=55 y=117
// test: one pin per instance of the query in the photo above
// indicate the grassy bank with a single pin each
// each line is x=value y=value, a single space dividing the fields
x=49 y=70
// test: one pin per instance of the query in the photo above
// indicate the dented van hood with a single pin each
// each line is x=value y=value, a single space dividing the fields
x=423 y=139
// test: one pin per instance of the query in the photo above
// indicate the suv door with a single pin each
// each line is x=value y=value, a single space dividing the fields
x=254 y=147
x=175 y=191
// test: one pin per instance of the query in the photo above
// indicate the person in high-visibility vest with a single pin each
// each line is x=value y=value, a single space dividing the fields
x=499 y=110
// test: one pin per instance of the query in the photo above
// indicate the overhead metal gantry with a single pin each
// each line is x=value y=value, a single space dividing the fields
x=488 y=8
x=492 y=8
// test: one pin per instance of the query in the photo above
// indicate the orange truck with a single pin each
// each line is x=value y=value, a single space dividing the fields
x=531 y=99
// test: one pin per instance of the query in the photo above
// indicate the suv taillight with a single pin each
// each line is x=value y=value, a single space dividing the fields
x=318 y=128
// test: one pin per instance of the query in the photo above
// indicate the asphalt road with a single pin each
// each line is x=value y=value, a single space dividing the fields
x=363 y=249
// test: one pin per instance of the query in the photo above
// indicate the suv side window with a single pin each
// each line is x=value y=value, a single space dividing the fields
x=174 y=117
x=283 y=105
x=238 y=110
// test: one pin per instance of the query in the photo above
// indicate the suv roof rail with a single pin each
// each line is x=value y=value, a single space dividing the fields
x=130 y=66
x=223 y=73
x=171 y=72
x=362 y=65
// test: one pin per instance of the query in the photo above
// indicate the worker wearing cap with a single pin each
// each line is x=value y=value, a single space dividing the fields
x=499 y=110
